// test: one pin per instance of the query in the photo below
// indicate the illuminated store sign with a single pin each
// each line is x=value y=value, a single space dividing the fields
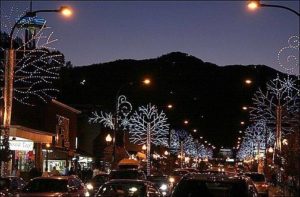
x=20 y=145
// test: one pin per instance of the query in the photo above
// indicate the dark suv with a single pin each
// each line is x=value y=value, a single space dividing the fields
x=197 y=185
x=127 y=174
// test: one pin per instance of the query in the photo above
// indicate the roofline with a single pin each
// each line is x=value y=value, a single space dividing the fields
x=32 y=130
x=66 y=106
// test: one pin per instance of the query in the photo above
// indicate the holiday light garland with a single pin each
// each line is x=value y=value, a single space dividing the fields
x=36 y=69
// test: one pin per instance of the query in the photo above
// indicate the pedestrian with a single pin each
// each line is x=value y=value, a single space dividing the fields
x=33 y=172
x=46 y=173
x=55 y=172
x=66 y=171
x=274 y=179
x=71 y=171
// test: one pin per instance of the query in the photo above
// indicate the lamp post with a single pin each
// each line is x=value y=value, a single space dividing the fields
x=256 y=4
x=123 y=108
x=10 y=62
x=47 y=156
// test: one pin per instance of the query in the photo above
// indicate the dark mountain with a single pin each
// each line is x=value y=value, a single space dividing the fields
x=209 y=96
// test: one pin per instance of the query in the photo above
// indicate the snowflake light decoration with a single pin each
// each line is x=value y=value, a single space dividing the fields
x=108 y=120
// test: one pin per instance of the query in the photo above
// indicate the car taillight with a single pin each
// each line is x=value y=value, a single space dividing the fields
x=265 y=185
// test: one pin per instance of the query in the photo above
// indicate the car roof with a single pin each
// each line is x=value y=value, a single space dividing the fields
x=217 y=177
x=127 y=181
x=55 y=177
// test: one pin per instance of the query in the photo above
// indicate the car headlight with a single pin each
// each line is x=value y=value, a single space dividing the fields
x=89 y=186
x=86 y=194
x=171 y=180
x=163 y=187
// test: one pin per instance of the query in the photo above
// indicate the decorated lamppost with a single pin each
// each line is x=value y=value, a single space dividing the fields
x=10 y=63
x=119 y=119
x=148 y=126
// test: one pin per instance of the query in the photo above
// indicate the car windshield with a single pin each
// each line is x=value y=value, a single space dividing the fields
x=179 y=173
x=43 y=185
x=192 y=188
x=4 y=183
x=123 y=189
x=99 y=180
x=256 y=177
x=126 y=175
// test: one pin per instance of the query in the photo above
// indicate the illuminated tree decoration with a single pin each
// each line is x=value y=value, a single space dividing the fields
x=36 y=69
x=148 y=126
x=176 y=138
x=277 y=106
x=123 y=110
x=259 y=136
x=288 y=57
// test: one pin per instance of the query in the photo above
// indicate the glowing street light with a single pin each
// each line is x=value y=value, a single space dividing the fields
x=47 y=155
x=270 y=150
x=169 y=106
x=244 y=108
x=248 y=81
x=144 y=147
x=194 y=130
x=186 y=122
x=255 y=4
x=108 y=138
x=147 y=81
x=66 y=11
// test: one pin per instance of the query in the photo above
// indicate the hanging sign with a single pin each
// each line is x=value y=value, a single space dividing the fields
x=20 y=145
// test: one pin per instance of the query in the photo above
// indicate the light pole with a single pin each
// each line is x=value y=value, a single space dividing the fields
x=256 y=4
x=47 y=156
x=10 y=62
x=123 y=108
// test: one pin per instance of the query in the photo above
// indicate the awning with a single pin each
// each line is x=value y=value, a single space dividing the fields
x=31 y=134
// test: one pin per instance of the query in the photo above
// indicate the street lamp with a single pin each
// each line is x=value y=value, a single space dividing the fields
x=108 y=138
x=253 y=5
x=47 y=157
x=123 y=108
x=10 y=62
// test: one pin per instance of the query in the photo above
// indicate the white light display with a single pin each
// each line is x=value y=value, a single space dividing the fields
x=36 y=69
x=107 y=119
x=277 y=106
x=148 y=126
x=288 y=57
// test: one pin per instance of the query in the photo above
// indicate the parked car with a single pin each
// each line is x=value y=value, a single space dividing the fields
x=260 y=183
x=94 y=184
x=128 y=188
x=176 y=175
x=55 y=186
x=11 y=185
x=161 y=183
x=197 y=185
x=127 y=174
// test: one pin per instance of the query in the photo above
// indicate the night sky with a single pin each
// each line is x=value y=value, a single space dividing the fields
x=221 y=32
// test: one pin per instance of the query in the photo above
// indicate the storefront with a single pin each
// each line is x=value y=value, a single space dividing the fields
x=26 y=145
x=23 y=157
